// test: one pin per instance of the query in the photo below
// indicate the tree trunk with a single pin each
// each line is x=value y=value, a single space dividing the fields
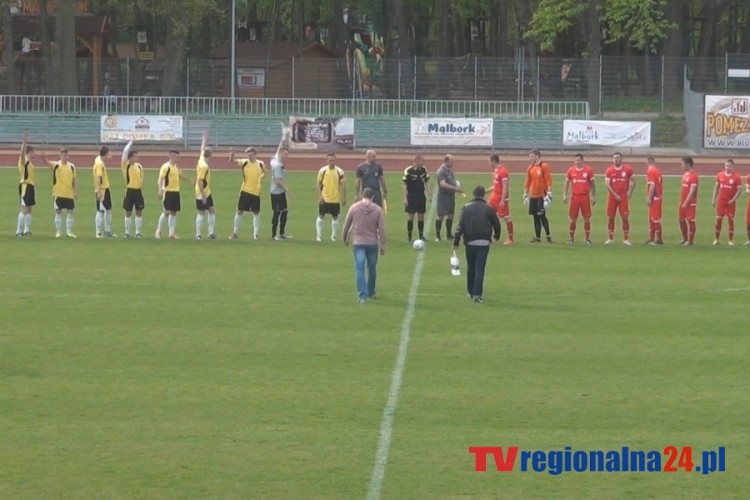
x=676 y=45
x=177 y=30
x=340 y=30
x=594 y=48
x=49 y=80
x=65 y=47
x=9 y=54
x=706 y=35
x=404 y=33
x=445 y=50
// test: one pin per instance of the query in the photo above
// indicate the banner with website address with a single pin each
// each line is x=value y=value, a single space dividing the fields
x=118 y=128
x=452 y=131
x=727 y=122
x=606 y=133
x=322 y=134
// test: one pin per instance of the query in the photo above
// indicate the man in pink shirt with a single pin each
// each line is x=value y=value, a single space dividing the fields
x=365 y=228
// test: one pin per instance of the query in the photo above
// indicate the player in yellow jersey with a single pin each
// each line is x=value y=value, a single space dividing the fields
x=204 y=202
x=331 y=196
x=103 y=215
x=26 y=192
x=133 y=173
x=64 y=192
x=169 y=192
x=253 y=171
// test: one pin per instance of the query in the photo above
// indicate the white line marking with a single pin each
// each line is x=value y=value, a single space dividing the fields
x=389 y=413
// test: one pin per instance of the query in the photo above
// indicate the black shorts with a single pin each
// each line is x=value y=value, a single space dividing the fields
x=248 y=203
x=172 y=201
x=278 y=202
x=133 y=199
x=64 y=203
x=446 y=205
x=416 y=203
x=536 y=206
x=329 y=208
x=200 y=206
x=106 y=203
x=28 y=199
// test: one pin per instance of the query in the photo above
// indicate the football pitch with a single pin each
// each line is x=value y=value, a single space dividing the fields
x=246 y=369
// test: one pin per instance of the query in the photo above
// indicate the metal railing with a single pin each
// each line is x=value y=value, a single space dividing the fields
x=209 y=106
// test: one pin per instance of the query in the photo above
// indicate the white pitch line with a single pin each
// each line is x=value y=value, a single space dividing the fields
x=389 y=412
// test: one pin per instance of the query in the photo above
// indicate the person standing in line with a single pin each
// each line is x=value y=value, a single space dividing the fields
x=581 y=178
x=726 y=192
x=478 y=225
x=447 y=187
x=26 y=189
x=133 y=173
x=204 y=201
x=169 y=192
x=65 y=193
x=500 y=197
x=279 y=190
x=654 y=193
x=370 y=175
x=253 y=171
x=620 y=182
x=688 y=201
x=417 y=192
x=747 y=213
x=103 y=215
x=331 y=196
x=365 y=228
x=538 y=194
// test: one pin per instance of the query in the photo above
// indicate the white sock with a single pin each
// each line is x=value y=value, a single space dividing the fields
x=138 y=224
x=108 y=221
x=237 y=222
x=172 y=224
x=69 y=222
x=58 y=222
x=162 y=218
x=334 y=228
x=27 y=222
x=21 y=223
x=98 y=221
x=211 y=223
x=319 y=227
x=128 y=220
x=256 y=224
x=198 y=224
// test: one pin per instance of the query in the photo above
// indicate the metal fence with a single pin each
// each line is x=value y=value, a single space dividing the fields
x=633 y=84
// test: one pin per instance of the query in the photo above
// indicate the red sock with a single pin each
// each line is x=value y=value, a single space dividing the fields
x=684 y=229
x=626 y=229
x=572 y=229
x=651 y=230
x=611 y=228
x=691 y=228
x=587 y=229
x=730 y=223
x=510 y=230
x=657 y=231
x=717 y=228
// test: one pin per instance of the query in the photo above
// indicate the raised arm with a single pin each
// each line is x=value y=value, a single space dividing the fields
x=24 y=143
x=231 y=156
x=126 y=152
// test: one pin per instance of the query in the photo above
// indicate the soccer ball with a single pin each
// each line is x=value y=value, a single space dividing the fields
x=418 y=245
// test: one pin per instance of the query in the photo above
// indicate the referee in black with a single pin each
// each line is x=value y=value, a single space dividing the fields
x=416 y=195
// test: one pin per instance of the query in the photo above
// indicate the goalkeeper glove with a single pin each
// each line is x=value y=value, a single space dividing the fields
x=526 y=199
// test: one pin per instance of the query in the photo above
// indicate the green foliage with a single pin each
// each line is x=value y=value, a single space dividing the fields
x=553 y=17
x=641 y=22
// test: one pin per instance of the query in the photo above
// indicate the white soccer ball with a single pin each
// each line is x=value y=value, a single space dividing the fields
x=418 y=245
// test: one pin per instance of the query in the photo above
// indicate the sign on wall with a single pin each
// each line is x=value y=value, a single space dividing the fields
x=327 y=134
x=451 y=131
x=606 y=133
x=251 y=78
x=727 y=122
x=116 y=128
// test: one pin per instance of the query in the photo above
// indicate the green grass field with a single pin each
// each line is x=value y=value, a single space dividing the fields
x=242 y=369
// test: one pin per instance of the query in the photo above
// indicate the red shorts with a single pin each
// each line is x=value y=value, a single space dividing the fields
x=580 y=203
x=613 y=206
x=501 y=212
x=687 y=213
x=747 y=215
x=724 y=209
x=654 y=210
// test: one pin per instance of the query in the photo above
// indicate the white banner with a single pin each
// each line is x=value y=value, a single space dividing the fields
x=727 y=122
x=117 y=128
x=604 y=133
x=251 y=78
x=451 y=131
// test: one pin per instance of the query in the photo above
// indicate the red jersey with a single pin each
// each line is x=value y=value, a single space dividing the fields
x=580 y=179
x=619 y=178
x=653 y=176
x=501 y=174
x=689 y=179
x=729 y=184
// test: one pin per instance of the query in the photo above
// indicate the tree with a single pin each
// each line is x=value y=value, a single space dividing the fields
x=8 y=53
x=65 y=64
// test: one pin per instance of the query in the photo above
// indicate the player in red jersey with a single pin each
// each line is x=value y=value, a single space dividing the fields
x=499 y=197
x=726 y=192
x=581 y=177
x=688 y=201
x=620 y=182
x=654 y=193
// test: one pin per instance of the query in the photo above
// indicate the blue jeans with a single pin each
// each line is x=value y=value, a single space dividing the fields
x=366 y=254
x=476 y=260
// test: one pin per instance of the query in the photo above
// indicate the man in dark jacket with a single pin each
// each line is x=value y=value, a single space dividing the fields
x=478 y=225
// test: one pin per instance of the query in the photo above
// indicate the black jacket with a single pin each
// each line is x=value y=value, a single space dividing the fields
x=478 y=221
